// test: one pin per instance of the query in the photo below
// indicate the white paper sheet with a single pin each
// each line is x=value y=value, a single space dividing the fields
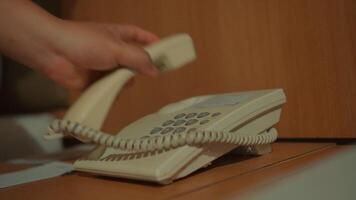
x=45 y=171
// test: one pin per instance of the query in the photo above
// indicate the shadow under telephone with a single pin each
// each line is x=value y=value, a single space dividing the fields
x=179 y=138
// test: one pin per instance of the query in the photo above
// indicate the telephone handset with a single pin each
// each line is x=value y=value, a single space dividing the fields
x=93 y=105
x=179 y=138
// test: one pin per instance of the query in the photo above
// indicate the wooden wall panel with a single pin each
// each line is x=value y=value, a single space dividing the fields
x=306 y=47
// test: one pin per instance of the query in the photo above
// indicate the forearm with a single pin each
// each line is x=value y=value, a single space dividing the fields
x=22 y=25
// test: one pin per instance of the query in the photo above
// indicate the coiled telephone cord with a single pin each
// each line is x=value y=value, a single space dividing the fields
x=158 y=142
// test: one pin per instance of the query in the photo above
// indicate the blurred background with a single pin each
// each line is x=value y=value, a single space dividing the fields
x=306 y=47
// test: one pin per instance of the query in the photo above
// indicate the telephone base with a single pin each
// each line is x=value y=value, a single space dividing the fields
x=248 y=115
x=256 y=150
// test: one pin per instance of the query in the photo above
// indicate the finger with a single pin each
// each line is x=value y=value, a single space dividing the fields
x=136 y=58
x=131 y=33
x=65 y=74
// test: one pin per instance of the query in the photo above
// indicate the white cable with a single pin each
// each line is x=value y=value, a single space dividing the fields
x=158 y=142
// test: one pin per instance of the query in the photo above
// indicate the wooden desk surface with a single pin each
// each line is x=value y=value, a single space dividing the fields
x=228 y=177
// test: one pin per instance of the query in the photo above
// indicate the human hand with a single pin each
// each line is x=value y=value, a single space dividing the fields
x=81 y=46
x=66 y=50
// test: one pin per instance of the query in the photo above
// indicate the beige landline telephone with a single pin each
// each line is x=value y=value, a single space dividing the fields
x=179 y=138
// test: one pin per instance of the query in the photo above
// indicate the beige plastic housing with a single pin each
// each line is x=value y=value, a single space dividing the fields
x=245 y=113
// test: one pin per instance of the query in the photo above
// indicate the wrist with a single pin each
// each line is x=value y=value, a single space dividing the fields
x=33 y=25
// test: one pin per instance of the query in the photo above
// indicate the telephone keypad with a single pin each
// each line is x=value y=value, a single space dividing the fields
x=181 y=121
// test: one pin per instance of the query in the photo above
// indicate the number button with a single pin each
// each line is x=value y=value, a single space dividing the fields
x=168 y=122
x=155 y=130
x=167 y=130
x=179 y=116
x=203 y=114
x=190 y=115
x=179 y=122
x=216 y=114
x=190 y=122
x=204 y=121
x=179 y=130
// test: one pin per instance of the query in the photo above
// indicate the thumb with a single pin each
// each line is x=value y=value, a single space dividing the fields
x=136 y=58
